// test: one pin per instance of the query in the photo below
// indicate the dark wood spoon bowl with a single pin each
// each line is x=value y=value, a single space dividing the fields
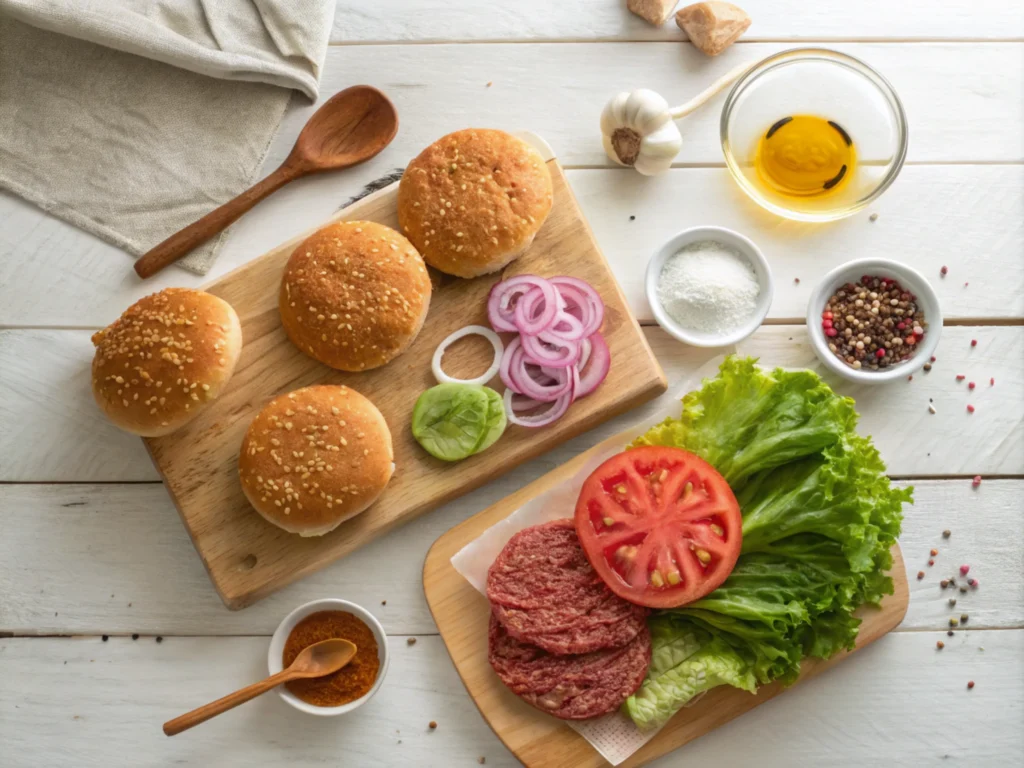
x=352 y=126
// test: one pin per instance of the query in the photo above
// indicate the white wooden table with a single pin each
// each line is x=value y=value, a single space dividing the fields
x=90 y=545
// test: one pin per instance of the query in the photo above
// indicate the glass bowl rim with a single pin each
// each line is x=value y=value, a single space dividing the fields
x=833 y=57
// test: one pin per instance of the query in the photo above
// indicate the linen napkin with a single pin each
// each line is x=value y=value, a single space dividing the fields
x=614 y=735
x=133 y=118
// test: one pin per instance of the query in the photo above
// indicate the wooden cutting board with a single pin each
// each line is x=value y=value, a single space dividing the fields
x=542 y=741
x=248 y=558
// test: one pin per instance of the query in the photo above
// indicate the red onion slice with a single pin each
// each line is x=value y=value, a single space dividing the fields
x=502 y=300
x=554 y=412
x=600 y=362
x=557 y=354
x=540 y=384
x=537 y=310
x=565 y=327
x=581 y=294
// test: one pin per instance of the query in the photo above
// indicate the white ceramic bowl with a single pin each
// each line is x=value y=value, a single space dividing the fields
x=851 y=272
x=726 y=237
x=274 y=656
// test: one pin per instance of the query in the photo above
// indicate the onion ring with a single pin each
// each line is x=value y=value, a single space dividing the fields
x=469 y=330
x=500 y=306
x=556 y=410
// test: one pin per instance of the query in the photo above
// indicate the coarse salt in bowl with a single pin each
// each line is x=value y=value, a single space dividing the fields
x=852 y=272
x=733 y=241
x=275 y=656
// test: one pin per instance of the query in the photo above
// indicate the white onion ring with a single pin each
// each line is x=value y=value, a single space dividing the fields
x=556 y=410
x=469 y=330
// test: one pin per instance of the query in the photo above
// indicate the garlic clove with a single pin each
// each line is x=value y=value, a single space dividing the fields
x=658 y=150
x=611 y=117
x=646 y=111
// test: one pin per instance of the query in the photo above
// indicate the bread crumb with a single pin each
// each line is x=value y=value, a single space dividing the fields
x=653 y=11
x=713 y=26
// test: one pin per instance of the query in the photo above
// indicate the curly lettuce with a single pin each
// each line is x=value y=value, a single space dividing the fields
x=819 y=519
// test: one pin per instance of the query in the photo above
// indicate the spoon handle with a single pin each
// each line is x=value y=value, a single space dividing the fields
x=232 y=700
x=217 y=220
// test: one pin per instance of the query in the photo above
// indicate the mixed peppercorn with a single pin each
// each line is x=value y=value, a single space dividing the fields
x=873 y=324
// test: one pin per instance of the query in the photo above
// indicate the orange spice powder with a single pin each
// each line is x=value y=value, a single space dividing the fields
x=350 y=682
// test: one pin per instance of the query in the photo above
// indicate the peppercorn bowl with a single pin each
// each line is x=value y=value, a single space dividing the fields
x=921 y=298
x=275 y=656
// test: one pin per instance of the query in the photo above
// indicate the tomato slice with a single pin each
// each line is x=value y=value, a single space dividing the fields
x=660 y=526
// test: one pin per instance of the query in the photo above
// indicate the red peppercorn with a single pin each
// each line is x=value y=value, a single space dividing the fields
x=901 y=326
x=827 y=315
x=964 y=569
x=974 y=342
x=944 y=271
x=933 y=358
x=911 y=339
x=931 y=562
x=826 y=323
x=831 y=332
x=970 y=385
x=880 y=353
x=920 y=575
x=970 y=684
x=973 y=582
x=934 y=552
x=865 y=279
x=992 y=382
x=970 y=408
x=976 y=481
x=960 y=377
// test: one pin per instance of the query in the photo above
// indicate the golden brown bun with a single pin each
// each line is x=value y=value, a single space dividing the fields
x=474 y=200
x=315 y=457
x=169 y=355
x=354 y=295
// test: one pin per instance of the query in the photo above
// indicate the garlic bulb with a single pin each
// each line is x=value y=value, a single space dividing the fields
x=638 y=131
x=638 y=127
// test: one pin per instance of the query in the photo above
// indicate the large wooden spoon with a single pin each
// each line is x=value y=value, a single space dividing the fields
x=352 y=126
x=317 y=660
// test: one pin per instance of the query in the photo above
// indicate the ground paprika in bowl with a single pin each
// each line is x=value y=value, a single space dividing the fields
x=352 y=685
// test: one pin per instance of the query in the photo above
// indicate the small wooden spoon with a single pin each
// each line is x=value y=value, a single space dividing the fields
x=317 y=660
x=352 y=126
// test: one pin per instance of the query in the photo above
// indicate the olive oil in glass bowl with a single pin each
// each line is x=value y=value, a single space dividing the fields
x=813 y=135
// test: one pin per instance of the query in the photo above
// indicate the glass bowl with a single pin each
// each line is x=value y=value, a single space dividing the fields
x=826 y=84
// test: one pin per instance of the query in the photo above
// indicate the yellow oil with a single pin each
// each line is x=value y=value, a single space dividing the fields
x=803 y=156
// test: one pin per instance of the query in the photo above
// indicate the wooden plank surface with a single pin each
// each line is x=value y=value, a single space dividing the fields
x=540 y=741
x=149 y=579
x=413 y=21
x=935 y=215
x=52 y=430
x=110 y=698
x=246 y=556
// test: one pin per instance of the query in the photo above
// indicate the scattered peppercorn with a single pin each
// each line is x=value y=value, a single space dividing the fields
x=383 y=602
x=910 y=377
x=973 y=582
x=963 y=618
x=971 y=385
x=632 y=218
x=944 y=583
x=433 y=724
x=964 y=569
x=481 y=760
x=934 y=552
x=932 y=359
x=947 y=533
x=944 y=271
x=976 y=481
x=135 y=636
x=920 y=575
x=949 y=632
x=940 y=645
x=105 y=638
x=970 y=684
x=874 y=324
x=953 y=622
x=952 y=602
x=970 y=408
x=159 y=639
x=796 y=281
x=960 y=377
x=974 y=342
x=931 y=562
x=963 y=590
x=927 y=367
x=992 y=381
x=410 y=641
x=873 y=217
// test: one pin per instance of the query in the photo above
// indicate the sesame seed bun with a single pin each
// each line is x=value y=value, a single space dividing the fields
x=354 y=295
x=164 y=360
x=474 y=200
x=315 y=457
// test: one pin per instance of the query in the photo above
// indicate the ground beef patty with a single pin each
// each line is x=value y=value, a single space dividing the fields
x=545 y=593
x=572 y=687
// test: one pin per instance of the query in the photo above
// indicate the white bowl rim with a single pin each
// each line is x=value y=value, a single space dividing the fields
x=911 y=279
x=746 y=247
x=277 y=642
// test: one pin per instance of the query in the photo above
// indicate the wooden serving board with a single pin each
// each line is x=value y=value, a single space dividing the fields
x=248 y=558
x=542 y=741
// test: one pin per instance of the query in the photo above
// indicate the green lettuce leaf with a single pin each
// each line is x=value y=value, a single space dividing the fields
x=819 y=520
